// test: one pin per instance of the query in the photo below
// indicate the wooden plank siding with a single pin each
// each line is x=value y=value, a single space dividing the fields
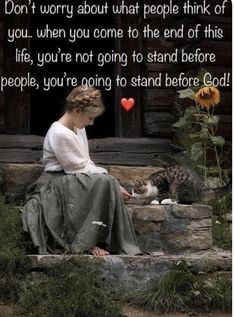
x=2 y=116
x=128 y=124
x=155 y=109
x=108 y=151
x=160 y=103
x=162 y=100
x=17 y=103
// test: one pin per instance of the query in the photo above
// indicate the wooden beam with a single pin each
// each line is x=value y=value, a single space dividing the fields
x=128 y=124
x=17 y=103
x=159 y=97
x=126 y=159
x=142 y=151
x=134 y=146
x=159 y=124
x=20 y=155
x=21 y=141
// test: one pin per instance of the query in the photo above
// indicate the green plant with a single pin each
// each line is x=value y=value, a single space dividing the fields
x=213 y=292
x=72 y=288
x=222 y=234
x=13 y=264
x=183 y=289
x=11 y=233
x=163 y=296
x=199 y=126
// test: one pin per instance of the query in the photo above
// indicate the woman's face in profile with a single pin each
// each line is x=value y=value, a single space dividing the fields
x=83 y=118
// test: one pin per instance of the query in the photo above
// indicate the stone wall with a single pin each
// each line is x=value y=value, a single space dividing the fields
x=15 y=178
x=140 y=272
x=173 y=228
x=168 y=228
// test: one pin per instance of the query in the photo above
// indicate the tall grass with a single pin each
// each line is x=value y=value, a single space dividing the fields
x=181 y=289
x=12 y=252
x=72 y=288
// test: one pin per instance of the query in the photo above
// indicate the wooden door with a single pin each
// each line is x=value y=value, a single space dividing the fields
x=128 y=124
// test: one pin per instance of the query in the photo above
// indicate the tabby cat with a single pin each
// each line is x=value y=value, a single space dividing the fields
x=171 y=185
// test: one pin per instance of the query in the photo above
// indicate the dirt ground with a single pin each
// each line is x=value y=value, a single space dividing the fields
x=133 y=312
x=4 y=310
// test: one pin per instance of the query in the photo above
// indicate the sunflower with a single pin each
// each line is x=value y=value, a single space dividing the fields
x=207 y=97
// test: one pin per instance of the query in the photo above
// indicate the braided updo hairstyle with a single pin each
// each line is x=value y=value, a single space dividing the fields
x=87 y=98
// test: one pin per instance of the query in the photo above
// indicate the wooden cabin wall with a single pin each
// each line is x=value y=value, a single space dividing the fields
x=158 y=110
x=159 y=104
x=14 y=104
x=2 y=117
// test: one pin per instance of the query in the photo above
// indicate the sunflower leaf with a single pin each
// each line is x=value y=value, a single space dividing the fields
x=218 y=140
x=201 y=76
x=180 y=123
x=203 y=134
x=189 y=112
x=213 y=120
x=186 y=93
x=196 y=151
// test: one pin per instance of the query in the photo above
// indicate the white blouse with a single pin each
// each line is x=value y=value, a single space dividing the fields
x=65 y=150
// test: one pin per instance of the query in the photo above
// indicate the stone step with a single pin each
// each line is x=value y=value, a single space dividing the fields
x=138 y=272
x=15 y=178
x=173 y=228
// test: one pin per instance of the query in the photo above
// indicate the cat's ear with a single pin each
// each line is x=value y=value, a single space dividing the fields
x=141 y=182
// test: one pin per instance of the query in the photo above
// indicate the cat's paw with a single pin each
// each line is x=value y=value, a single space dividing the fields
x=154 y=202
x=168 y=201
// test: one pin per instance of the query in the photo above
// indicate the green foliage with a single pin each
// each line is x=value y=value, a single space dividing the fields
x=12 y=262
x=69 y=289
x=73 y=288
x=222 y=234
x=201 y=75
x=163 y=296
x=197 y=151
x=11 y=236
x=202 y=127
x=198 y=130
x=213 y=292
x=221 y=228
x=186 y=93
x=182 y=289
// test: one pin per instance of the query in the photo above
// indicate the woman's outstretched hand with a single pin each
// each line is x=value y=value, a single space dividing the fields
x=125 y=193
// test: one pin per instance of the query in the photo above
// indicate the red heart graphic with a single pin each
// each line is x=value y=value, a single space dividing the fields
x=127 y=104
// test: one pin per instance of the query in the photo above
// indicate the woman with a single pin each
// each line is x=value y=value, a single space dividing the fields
x=75 y=206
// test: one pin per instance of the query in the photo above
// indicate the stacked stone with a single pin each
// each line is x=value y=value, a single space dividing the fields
x=17 y=177
x=168 y=228
x=134 y=273
x=173 y=228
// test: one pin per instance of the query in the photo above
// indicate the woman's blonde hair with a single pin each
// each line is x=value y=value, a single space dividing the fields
x=86 y=98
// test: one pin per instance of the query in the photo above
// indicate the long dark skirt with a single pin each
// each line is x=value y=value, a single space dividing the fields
x=75 y=213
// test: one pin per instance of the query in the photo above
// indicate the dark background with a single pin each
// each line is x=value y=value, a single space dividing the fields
x=47 y=107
